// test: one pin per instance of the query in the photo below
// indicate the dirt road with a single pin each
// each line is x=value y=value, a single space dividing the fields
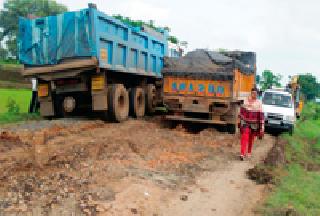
x=226 y=192
x=135 y=168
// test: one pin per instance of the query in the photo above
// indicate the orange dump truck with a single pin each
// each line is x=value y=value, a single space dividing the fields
x=208 y=87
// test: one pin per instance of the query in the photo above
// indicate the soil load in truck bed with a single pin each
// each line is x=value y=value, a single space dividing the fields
x=201 y=62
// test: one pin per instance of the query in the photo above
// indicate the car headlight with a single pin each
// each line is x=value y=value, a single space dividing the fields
x=289 y=118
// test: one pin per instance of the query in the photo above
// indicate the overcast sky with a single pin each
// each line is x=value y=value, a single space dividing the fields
x=285 y=34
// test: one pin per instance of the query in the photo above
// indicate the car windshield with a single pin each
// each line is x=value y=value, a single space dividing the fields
x=271 y=98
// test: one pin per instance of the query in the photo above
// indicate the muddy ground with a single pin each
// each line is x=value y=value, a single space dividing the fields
x=140 y=167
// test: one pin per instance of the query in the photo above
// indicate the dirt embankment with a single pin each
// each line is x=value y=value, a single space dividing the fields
x=263 y=173
x=12 y=78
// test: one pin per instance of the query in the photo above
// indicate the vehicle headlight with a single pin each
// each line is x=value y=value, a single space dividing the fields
x=289 y=118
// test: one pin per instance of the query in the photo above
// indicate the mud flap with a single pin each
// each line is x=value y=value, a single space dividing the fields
x=100 y=101
x=46 y=108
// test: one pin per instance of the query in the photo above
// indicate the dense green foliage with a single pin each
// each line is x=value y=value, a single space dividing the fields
x=309 y=86
x=268 y=79
x=173 y=39
x=298 y=189
x=10 y=13
x=150 y=24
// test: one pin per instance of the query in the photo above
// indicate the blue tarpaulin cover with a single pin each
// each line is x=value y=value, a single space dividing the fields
x=47 y=40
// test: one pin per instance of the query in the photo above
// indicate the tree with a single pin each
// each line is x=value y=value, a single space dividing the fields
x=11 y=11
x=268 y=79
x=150 y=24
x=173 y=39
x=3 y=53
x=309 y=86
x=258 y=78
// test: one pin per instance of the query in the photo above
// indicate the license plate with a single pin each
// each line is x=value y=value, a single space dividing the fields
x=274 y=122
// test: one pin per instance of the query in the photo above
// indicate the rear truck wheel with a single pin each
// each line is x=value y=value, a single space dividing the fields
x=151 y=98
x=69 y=104
x=64 y=106
x=118 y=103
x=137 y=102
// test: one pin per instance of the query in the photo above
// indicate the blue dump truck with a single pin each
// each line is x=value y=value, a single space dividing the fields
x=89 y=61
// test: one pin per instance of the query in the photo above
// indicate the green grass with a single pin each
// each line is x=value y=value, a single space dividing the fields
x=21 y=96
x=6 y=118
x=299 y=188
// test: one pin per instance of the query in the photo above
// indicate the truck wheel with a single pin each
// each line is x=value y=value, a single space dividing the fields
x=150 y=98
x=118 y=102
x=137 y=102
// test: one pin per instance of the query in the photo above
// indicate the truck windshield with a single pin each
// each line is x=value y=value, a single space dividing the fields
x=271 y=98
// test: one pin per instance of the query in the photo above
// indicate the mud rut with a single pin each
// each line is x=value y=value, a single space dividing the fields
x=140 y=167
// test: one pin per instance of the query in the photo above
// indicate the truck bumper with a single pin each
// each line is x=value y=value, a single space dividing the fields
x=281 y=126
x=196 y=120
x=201 y=109
x=61 y=70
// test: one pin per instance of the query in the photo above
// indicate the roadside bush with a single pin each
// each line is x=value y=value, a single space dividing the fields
x=12 y=106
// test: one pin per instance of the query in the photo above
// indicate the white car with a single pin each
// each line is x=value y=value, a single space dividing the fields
x=279 y=111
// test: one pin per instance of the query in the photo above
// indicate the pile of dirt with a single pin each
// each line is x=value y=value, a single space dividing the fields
x=263 y=173
x=48 y=164
x=198 y=61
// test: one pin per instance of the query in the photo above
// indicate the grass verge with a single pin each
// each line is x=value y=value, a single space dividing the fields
x=21 y=96
x=14 y=105
x=297 y=184
x=7 y=118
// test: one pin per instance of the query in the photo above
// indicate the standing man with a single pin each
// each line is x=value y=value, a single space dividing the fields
x=34 y=99
x=252 y=123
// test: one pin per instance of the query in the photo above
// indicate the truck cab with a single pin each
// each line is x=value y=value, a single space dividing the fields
x=279 y=110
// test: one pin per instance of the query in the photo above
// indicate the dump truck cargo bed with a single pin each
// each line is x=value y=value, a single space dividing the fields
x=89 y=33
x=208 y=87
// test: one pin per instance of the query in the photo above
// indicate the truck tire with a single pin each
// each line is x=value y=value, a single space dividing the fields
x=137 y=102
x=150 y=98
x=118 y=103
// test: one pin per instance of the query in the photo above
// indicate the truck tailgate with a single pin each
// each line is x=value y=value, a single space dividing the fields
x=197 y=87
